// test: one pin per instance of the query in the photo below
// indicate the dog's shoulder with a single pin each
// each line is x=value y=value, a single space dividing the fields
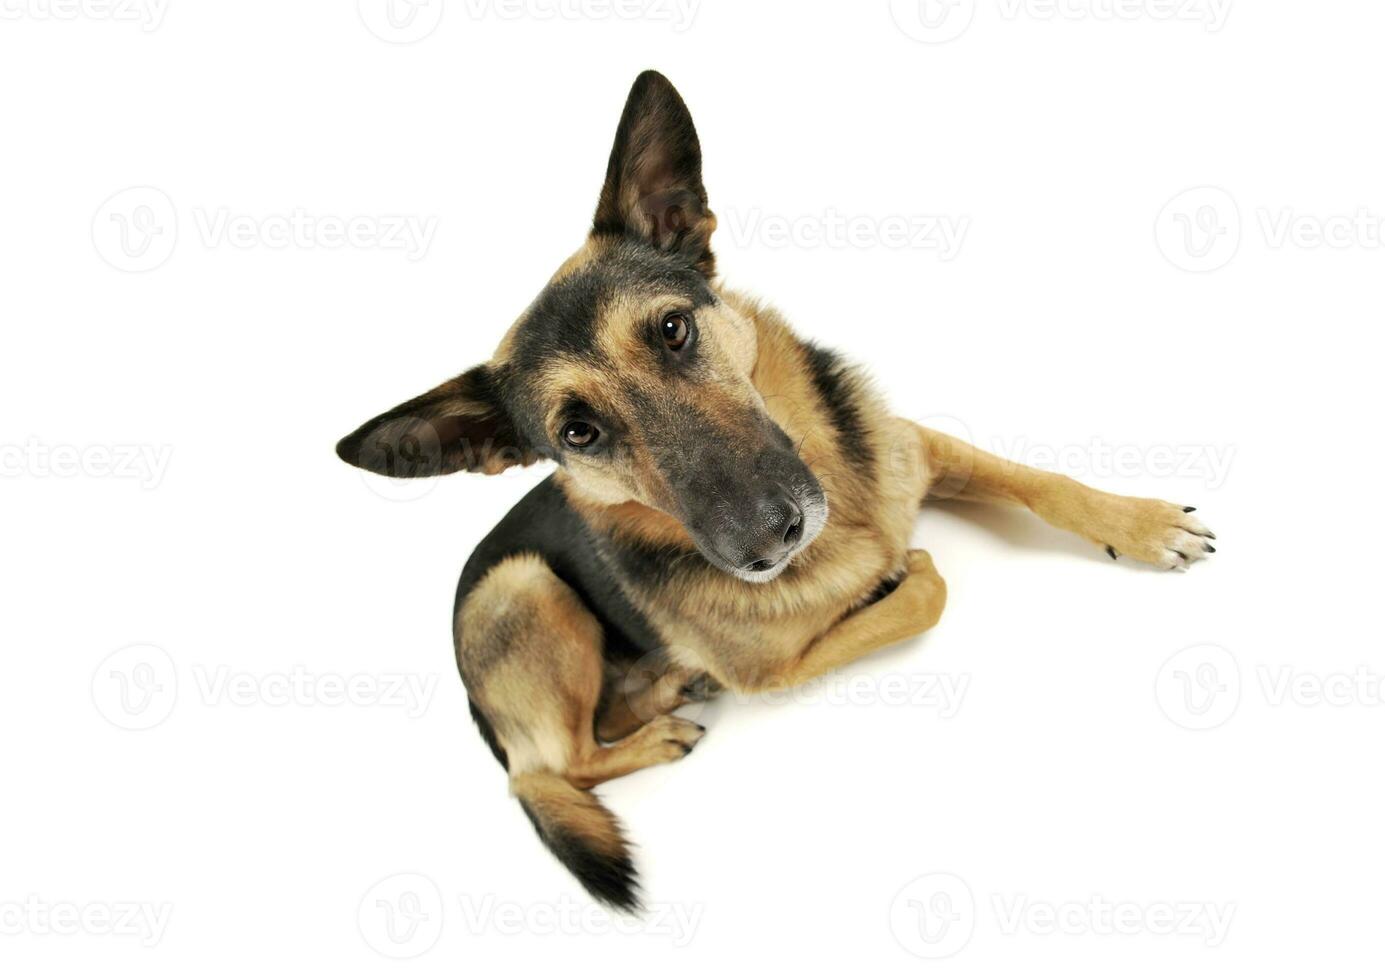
x=544 y=523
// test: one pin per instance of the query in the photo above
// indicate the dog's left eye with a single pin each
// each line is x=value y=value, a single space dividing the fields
x=676 y=328
x=580 y=435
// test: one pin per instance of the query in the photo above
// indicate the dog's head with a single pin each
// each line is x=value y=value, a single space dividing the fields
x=629 y=371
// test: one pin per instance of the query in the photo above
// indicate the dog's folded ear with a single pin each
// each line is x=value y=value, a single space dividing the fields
x=653 y=187
x=459 y=425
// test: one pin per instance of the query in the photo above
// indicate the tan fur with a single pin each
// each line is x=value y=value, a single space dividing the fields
x=1151 y=531
x=678 y=433
x=530 y=653
x=743 y=635
x=792 y=629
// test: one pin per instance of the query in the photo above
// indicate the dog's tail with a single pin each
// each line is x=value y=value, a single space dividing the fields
x=583 y=834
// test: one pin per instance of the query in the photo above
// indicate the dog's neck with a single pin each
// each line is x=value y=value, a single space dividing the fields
x=629 y=520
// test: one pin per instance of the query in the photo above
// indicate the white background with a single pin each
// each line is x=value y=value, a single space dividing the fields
x=1096 y=319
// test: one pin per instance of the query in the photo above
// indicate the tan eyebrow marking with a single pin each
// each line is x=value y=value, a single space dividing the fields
x=621 y=322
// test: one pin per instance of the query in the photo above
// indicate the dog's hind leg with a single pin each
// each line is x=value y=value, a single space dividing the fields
x=638 y=693
x=1153 y=531
x=665 y=739
x=529 y=651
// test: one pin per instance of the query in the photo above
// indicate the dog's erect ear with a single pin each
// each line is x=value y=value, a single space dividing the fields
x=653 y=185
x=459 y=425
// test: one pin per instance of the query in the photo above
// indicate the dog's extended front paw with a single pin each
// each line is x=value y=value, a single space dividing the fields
x=1156 y=532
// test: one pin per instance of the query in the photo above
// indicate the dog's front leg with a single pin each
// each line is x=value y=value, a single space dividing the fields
x=1153 y=531
x=913 y=607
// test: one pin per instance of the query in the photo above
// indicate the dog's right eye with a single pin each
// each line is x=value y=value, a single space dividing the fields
x=580 y=435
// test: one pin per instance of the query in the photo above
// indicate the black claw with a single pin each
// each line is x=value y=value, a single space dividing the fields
x=1209 y=548
x=1209 y=534
x=1181 y=555
x=1189 y=510
x=700 y=728
x=1111 y=551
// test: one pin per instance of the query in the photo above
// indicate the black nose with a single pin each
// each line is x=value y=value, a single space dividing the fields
x=793 y=527
x=782 y=519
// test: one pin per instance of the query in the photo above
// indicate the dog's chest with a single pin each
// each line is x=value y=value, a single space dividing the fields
x=726 y=627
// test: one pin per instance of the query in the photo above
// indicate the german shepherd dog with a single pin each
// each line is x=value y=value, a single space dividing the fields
x=732 y=506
